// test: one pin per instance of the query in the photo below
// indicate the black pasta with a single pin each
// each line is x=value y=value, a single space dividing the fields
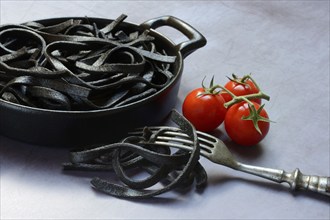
x=172 y=169
x=77 y=65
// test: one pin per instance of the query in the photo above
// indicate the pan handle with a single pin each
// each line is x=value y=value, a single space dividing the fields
x=195 y=39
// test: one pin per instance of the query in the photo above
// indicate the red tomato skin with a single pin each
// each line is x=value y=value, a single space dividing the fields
x=241 y=131
x=205 y=111
x=239 y=89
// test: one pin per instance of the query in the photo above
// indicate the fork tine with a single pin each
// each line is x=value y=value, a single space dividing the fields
x=185 y=142
x=139 y=131
x=207 y=139
x=178 y=146
x=183 y=138
x=174 y=137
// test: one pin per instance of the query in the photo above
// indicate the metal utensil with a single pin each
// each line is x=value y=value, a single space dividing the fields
x=216 y=151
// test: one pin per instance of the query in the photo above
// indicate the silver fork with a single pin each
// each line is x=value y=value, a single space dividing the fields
x=216 y=151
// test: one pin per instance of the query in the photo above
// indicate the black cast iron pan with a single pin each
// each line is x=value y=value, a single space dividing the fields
x=82 y=128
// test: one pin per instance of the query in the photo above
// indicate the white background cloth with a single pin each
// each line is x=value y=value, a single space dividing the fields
x=284 y=44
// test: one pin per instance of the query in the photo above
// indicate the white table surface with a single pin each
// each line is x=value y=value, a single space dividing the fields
x=285 y=44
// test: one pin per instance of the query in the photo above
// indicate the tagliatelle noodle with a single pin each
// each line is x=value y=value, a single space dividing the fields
x=174 y=170
x=112 y=68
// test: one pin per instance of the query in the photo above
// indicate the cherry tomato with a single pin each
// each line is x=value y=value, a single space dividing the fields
x=205 y=111
x=240 y=89
x=243 y=132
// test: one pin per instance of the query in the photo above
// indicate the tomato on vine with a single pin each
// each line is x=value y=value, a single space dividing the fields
x=246 y=123
x=240 y=87
x=204 y=108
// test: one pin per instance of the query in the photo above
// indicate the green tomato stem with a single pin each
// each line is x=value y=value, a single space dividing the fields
x=250 y=78
x=244 y=78
x=237 y=99
x=254 y=116
x=247 y=98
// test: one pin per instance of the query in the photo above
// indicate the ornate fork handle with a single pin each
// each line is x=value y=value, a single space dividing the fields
x=295 y=179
